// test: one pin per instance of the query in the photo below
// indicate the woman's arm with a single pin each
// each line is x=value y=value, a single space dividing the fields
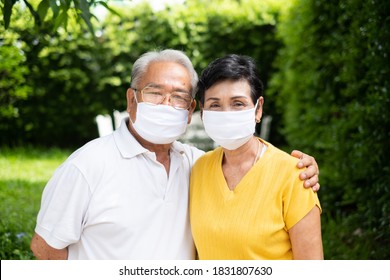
x=306 y=237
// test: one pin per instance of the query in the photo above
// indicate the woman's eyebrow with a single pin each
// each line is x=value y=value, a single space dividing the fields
x=212 y=99
x=239 y=97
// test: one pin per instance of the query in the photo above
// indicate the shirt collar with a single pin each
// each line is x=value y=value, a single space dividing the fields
x=129 y=147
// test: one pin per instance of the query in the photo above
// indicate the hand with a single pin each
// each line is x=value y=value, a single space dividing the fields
x=311 y=173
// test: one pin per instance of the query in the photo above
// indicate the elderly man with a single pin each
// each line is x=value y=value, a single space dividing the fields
x=125 y=195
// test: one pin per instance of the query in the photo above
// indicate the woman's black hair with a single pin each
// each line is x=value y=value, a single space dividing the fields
x=231 y=67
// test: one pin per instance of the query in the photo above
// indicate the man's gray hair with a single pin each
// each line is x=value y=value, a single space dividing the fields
x=141 y=65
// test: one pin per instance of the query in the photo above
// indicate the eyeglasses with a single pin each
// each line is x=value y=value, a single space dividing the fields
x=155 y=96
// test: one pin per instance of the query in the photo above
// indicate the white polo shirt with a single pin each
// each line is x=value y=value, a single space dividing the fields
x=111 y=199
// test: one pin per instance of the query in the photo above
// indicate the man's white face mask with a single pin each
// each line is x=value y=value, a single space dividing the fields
x=230 y=129
x=160 y=124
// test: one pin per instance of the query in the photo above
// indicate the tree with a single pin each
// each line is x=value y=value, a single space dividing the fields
x=57 y=12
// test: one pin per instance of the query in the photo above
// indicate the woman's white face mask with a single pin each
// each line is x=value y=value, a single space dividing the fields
x=160 y=124
x=230 y=129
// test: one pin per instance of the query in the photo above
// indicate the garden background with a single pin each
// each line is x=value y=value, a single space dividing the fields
x=325 y=65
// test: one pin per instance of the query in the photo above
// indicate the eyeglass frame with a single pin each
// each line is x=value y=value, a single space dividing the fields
x=164 y=95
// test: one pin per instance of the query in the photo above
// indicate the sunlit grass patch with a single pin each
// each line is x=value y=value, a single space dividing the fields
x=23 y=175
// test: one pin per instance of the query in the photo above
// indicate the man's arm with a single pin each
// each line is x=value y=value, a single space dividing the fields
x=43 y=251
x=311 y=173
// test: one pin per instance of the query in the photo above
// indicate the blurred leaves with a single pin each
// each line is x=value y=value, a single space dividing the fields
x=74 y=75
x=332 y=86
x=13 y=87
x=59 y=12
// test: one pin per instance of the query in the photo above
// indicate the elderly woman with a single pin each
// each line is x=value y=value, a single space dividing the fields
x=246 y=200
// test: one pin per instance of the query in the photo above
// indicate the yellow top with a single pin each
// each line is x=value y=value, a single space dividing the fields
x=252 y=221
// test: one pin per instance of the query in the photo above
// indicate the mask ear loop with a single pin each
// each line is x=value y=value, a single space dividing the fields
x=257 y=103
x=135 y=95
x=136 y=101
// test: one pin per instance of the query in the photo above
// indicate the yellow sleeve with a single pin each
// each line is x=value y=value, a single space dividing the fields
x=297 y=200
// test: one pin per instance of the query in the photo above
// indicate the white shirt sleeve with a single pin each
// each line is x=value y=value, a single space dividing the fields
x=64 y=205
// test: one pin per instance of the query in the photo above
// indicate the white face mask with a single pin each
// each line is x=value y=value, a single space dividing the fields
x=160 y=124
x=230 y=129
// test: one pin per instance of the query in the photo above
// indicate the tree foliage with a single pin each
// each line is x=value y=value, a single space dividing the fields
x=52 y=11
x=75 y=75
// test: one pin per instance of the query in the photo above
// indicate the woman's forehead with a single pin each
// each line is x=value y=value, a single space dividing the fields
x=229 y=88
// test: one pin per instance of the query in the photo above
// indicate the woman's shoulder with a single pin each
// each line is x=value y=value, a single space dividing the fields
x=279 y=157
x=208 y=157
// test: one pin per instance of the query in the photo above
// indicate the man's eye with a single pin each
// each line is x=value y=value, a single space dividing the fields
x=182 y=96
x=153 y=93
x=178 y=97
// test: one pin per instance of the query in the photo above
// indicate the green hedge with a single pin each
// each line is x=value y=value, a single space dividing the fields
x=333 y=87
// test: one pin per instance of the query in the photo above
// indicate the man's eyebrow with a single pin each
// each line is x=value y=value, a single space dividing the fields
x=175 y=89
x=182 y=90
x=154 y=85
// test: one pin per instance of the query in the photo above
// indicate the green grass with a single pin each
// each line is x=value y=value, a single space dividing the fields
x=23 y=175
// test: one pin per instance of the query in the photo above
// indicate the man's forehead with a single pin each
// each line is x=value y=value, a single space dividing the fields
x=166 y=73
